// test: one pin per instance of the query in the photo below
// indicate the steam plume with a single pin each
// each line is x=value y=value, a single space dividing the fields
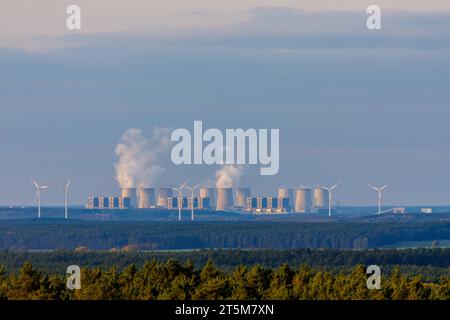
x=137 y=164
x=229 y=176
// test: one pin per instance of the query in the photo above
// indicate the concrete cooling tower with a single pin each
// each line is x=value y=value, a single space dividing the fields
x=303 y=200
x=224 y=199
x=163 y=194
x=320 y=197
x=209 y=193
x=241 y=197
x=130 y=193
x=287 y=193
x=146 y=198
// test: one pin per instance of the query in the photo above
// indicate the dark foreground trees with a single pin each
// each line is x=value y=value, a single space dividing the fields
x=172 y=280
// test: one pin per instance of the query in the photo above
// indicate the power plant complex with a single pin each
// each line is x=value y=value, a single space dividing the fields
x=287 y=200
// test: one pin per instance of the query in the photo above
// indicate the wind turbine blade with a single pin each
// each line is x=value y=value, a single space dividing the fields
x=374 y=188
x=34 y=182
x=334 y=187
x=45 y=187
x=196 y=186
x=384 y=187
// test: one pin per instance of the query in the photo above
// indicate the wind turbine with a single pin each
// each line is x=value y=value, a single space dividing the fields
x=66 y=198
x=38 y=194
x=192 y=200
x=330 y=196
x=180 y=197
x=380 y=191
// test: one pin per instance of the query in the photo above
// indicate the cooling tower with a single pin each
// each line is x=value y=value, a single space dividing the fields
x=163 y=194
x=209 y=193
x=146 y=198
x=303 y=200
x=287 y=193
x=224 y=199
x=130 y=193
x=241 y=197
x=320 y=197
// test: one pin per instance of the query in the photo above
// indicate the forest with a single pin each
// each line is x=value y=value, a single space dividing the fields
x=431 y=263
x=60 y=234
x=175 y=281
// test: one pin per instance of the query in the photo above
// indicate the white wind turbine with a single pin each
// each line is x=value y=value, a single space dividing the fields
x=330 y=196
x=380 y=191
x=38 y=194
x=180 y=198
x=192 y=200
x=66 y=199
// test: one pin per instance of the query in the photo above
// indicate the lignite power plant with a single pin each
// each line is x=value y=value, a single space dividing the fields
x=287 y=200
x=137 y=165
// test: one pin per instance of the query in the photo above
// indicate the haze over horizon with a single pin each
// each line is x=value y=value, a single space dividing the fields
x=352 y=105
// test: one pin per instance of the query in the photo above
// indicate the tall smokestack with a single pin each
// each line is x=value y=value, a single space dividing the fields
x=224 y=199
x=320 y=197
x=163 y=194
x=132 y=194
x=303 y=200
x=241 y=197
x=287 y=193
x=146 y=198
x=209 y=193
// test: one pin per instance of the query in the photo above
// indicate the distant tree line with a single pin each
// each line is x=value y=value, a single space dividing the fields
x=430 y=263
x=249 y=234
x=175 y=281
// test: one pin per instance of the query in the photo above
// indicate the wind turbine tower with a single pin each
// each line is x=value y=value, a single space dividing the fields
x=330 y=196
x=380 y=191
x=180 y=198
x=38 y=194
x=66 y=198
x=192 y=200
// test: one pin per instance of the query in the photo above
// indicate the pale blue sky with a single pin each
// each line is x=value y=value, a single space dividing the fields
x=352 y=105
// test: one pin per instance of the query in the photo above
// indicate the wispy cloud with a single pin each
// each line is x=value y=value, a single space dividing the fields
x=281 y=28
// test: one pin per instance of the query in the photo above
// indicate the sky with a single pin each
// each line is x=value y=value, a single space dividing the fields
x=352 y=105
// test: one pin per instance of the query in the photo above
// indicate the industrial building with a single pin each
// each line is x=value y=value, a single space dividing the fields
x=108 y=203
x=321 y=198
x=162 y=195
x=287 y=193
x=187 y=202
x=267 y=205
x=224 y=199
x=301 y=200
x=241 y=196
x=399 y=210
x=208 y=193
x=147 y=198
x=132 y=194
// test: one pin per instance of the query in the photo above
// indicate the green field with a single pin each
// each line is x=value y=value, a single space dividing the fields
x=419 y=244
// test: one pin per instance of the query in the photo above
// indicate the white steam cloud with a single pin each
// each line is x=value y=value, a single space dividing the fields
x=137 y=165
x=229 y=176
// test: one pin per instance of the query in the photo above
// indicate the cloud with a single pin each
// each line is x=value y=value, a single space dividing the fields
x=282 y=28
x=348 y=101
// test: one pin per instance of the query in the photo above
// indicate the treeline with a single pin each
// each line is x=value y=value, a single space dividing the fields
x=249 y=234
x=431 y=263
x=175 y=281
